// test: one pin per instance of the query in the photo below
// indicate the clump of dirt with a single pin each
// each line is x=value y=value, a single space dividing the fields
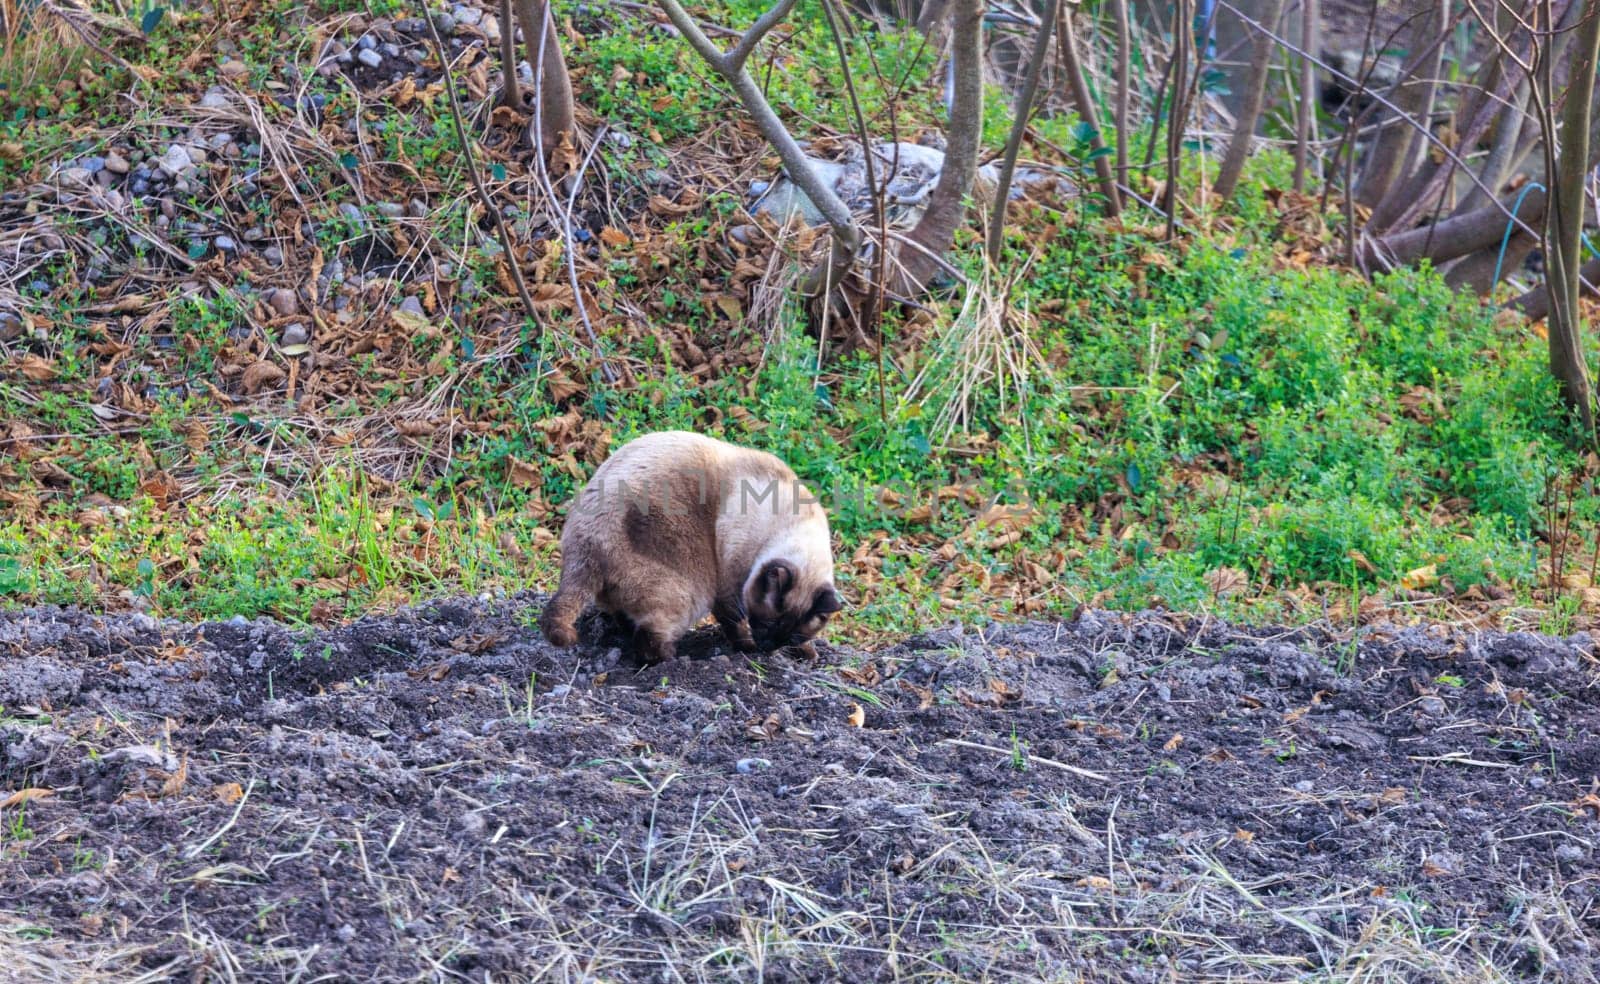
x=438 y=794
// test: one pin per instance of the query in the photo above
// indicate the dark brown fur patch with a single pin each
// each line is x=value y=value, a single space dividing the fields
x=672 y=527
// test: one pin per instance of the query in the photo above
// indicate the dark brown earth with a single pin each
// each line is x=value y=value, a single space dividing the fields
x=439 y=795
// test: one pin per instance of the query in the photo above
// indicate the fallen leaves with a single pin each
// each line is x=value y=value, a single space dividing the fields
x=26 y=795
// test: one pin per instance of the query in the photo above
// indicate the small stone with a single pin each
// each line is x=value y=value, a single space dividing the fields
x=390 y=210
x=273 y=255
x=621 y=138
x=412 y=306
x=347 y=57
x=116 y=163
x=656 y=176
x=232 y=69
x=390 y=50
x=444 y=24
x=465 y=14
x=219 y=141
x=169 y=211
x=490 y=27
x=254 y=234
x=75 y=177
x=1304 y=786
x=353 y=214
x=414 y=26
x=282 y=302
x=366 y=42
x=748 y=765
x=215 y=98
x=175 y=161
x=742 y=233
x=418 y=209
x=105 y=179
x=226 y=244
x=139 y=187
x=94 y=165
x=369 y=58
x=295 y=334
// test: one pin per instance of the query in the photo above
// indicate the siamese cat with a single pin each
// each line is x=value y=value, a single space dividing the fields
x=674 y=525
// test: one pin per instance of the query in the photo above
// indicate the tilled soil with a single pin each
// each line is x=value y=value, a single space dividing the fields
x=439 y=795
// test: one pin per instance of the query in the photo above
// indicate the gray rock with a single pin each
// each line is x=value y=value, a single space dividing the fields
x=444 y=24
x=117 y=164
x=418 y=209
x=465 y=14
x=215 y=98
x=219 y=141
x=75 y=177
x=390 y=210
x=94 y=165
x=255 y=234
x=273 y=255
x=490 y=28
x=414 y=26
x=390 y=50
x=295 y=334
x=353 y=214
x=175 y=161
x=369 y=58
x=366 y=42
x=105 y=179
x=282 y=302
x=412 y=306
x=225 y=243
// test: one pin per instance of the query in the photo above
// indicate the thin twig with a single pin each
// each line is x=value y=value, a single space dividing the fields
x=1052 y=763
x=472 y=171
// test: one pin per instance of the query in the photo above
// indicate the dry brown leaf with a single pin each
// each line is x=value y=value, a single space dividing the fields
x=520 y=473
x=614 y=238
x=228 y=792
x=36 y=368
x=1243 y=836
x=260 y=375
x=1003 y=692
x=1097 y=882
x=1420 y=578
x=26 y=795
x=1172 y=743
x=1224 y=581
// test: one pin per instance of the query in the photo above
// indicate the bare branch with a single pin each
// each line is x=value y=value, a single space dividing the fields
x=764 y=24
x=845 y=232
x=1019 y=126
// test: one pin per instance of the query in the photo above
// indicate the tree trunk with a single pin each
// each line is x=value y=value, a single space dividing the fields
x=1458 y=236
x=1310 y=35
x=947 y=206
x=1083 y=102
x=1564 y=225
x=1536 y=302
x=1124 y=87
x=1244 y=129
x=554 y=126
x=1019 y=127
x=1413 y=142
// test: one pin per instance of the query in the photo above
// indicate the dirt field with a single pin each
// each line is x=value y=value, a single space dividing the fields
x=440 y=796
